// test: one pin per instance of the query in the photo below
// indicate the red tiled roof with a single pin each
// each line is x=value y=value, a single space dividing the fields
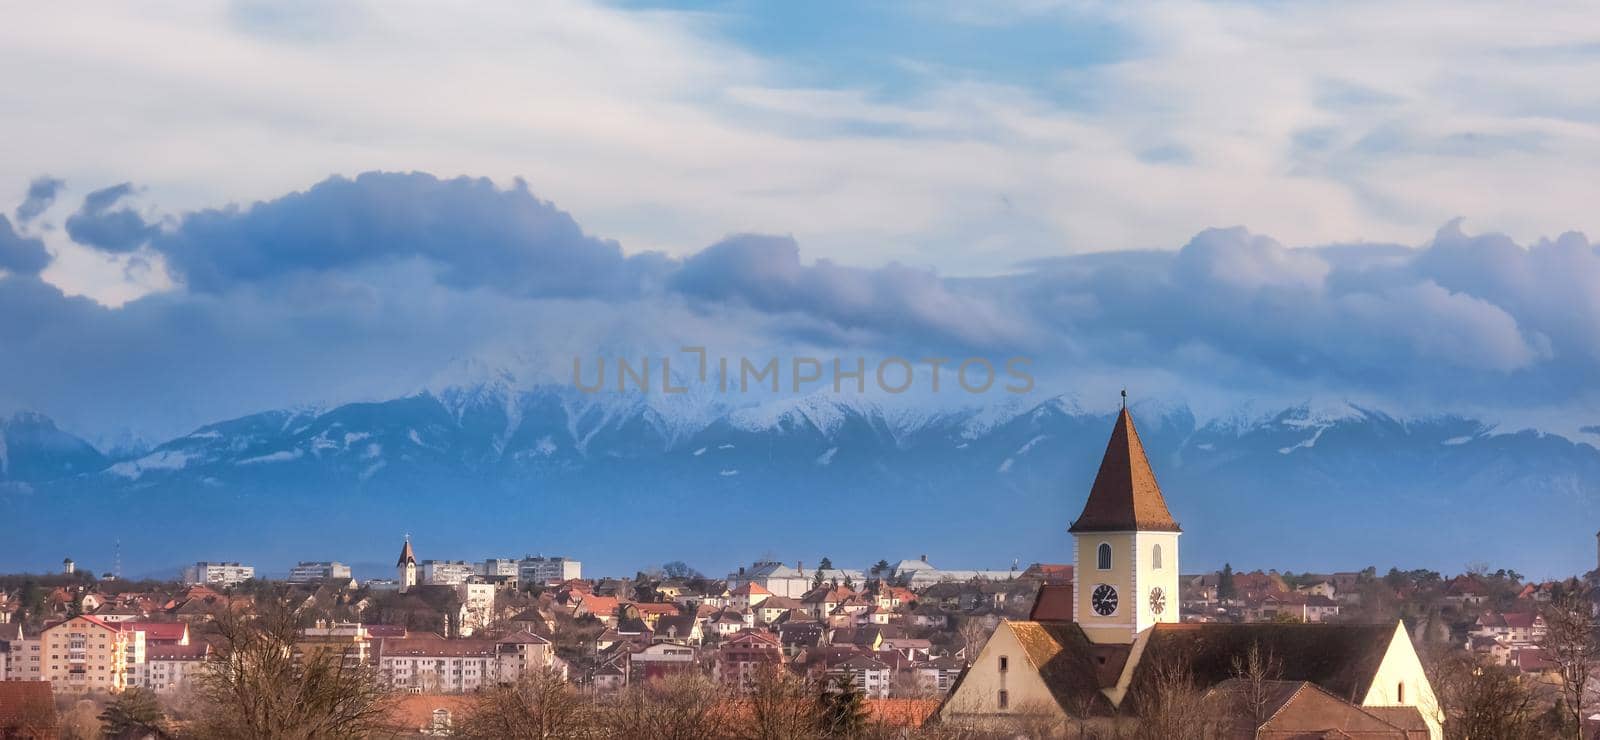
x=1053 y=604
x=159 y=630
x=1125 y=496
x=27 y=705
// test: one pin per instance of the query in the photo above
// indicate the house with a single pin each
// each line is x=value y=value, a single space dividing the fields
x=434 y=665
x=660 y=660
x=742 y=658
x=1512 y=628
x=1465 y=589
x=28 y=711
x=1301 y=709
x=1109 y=654
x=868 y=674
x=680 y=629
x=799 y=636
x=770 y=609
x=747 y=595
x=939 y=674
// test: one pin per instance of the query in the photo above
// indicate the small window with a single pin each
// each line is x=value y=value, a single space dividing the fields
x=1004 y=699
x=1005 y=664
x=1400 y=693
x=1104 y=556
x=1155 y=557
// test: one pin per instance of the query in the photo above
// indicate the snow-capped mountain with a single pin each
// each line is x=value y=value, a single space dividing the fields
x=501 y=466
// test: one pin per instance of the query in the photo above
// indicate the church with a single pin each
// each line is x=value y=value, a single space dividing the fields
x=1097 y=650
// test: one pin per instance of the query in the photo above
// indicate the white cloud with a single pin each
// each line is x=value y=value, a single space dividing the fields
x=1311 y=122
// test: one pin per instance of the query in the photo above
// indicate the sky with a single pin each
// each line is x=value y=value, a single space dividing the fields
x=211 y=208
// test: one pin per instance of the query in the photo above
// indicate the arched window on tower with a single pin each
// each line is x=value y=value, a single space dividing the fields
x=1155 y=557
x=1104 y=556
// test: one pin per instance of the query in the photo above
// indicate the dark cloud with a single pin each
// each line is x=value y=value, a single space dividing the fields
x=20 y=255
x=478 y=234
x=766 y=273
x=41 y=194
x=362 y=287
x=99 y=224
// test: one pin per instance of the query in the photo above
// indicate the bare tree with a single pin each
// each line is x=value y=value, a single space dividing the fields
x=1569 y=643
x=1255 y=671
x=779 y=705
x=539 y=705
x=974 y=632
x=1171 y=707
x=1483 y=701
x=258 y=685
x=686 y=706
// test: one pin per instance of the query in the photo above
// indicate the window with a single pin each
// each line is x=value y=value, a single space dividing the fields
x=1155 y=557
x=1104 y=556
x=1005 y=664
x=1400 y=693
x=1003 y=699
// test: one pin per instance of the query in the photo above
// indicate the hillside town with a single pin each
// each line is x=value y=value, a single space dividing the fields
x=1085 y=647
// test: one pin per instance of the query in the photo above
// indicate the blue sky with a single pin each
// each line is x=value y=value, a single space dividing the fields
x=1277 y=187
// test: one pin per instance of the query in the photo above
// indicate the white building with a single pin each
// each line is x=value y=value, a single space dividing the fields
x=447 y=572
x=433 y=665
x=477 y=602
x=782 y=580
x=171 y=668
x=916 y=574
x=312 y=571
x=498 y=567
x=225 y=574
x=539 y=569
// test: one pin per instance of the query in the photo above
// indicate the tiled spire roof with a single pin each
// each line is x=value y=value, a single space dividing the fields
x=1125 y=496
x=406 y=557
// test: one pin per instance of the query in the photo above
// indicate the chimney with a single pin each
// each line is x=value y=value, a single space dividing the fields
x=800 y=566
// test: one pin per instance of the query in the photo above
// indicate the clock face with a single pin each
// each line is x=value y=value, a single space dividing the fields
x=1158 y=600
x=1104 y=600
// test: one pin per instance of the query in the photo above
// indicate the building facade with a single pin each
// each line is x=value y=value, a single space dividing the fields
x=85 y=654
x=538 y=569
x=313 y=571
x=217 y=574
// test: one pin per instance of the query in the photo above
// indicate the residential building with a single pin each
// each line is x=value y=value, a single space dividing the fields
x=172 y=668
x=19 y=654
x=498 y=567
x=447 y=572
x=313 y=571
x=919 y=573
x=84 y=654
x=781 y=580
x=742 y=657
x=217 y=574
x=869 y=675
x=660 y=660
x=477 y=601
x=540 y=570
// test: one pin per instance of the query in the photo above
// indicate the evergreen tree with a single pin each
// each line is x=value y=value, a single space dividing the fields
x=134 y=714
x=849 y=584
x=843 y=709
x=816 y=580
x=1225 y=582
x=826 y=564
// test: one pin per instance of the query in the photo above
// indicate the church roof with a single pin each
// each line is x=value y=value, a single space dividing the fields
x=1074 y=669
x=406 y=557
x=1342 y=659
x=1125 y=496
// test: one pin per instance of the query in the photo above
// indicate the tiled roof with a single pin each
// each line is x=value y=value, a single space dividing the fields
x=1125 y=496
x=1074 y=669
x=27 y=705
x=1053 y=604
x=406 y=556
x=159 y=630
x=1341 y=658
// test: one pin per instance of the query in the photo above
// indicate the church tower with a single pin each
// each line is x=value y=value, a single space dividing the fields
x=1125 y=544
x=406 y=567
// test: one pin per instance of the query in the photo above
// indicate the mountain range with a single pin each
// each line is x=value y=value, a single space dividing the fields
x=625 y=482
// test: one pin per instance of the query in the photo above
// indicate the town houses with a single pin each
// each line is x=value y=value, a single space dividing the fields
x=1071 y=639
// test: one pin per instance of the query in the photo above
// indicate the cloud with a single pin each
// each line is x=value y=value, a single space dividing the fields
x=766 y=273
x=479 y=235
x=20 y=255
x=100 y=225
x=41 y=194
x=364 y=287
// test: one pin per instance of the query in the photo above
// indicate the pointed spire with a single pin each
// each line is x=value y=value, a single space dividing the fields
x=1125 y=496
x=406 y=557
